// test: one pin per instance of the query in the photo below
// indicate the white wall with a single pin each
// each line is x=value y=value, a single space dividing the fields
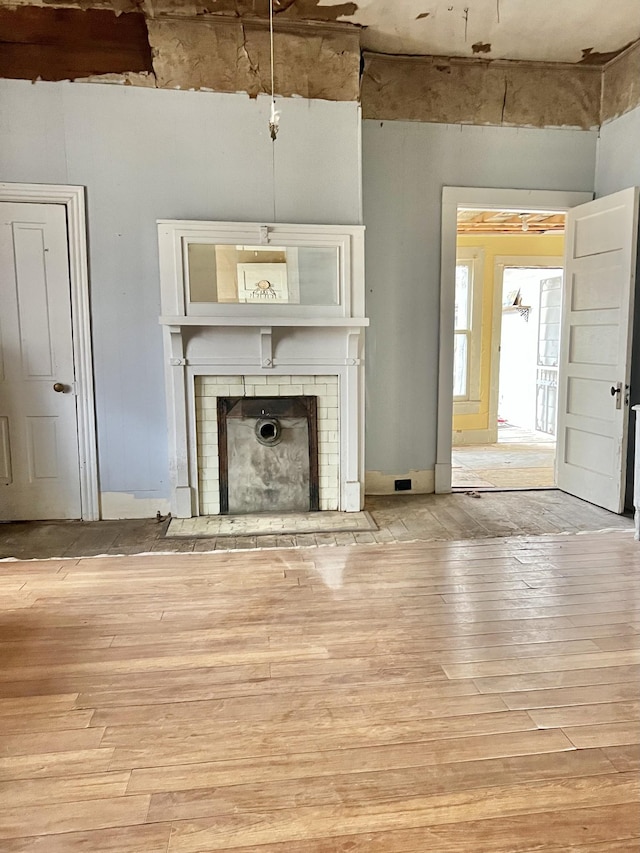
x=147 y=154
x=405 y=166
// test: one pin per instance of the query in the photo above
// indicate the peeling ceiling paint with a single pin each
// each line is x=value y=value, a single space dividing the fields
x=538 y=30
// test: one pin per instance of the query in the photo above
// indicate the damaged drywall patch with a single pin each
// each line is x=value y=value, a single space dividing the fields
x=67 y=44
x=233 y=56
x=621 y=84
x=257 y=84
x=311 y=10
x=592 y=57
x=313 y=60
x=143 y=79
x=291 y=10
x=548 y=96
x=480 y=92
x=422 y=15
x=424 y=90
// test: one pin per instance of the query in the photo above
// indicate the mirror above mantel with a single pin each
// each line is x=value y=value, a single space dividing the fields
x=229 y=269
x=269 y=275
x=278 y=308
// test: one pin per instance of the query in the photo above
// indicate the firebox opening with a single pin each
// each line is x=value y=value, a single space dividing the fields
x=268 y=454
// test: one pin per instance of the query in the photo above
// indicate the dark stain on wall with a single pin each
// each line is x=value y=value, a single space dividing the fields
x=479 y=47
x=64 y=44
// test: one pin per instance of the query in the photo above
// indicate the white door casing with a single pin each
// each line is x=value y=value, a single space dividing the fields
x=39 y=463
x=483 y=198
x=595 y=349
x=39 y=469
x=72 y=198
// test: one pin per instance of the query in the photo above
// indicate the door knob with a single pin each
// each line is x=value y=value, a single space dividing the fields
x=616 y=391
x=59 y=387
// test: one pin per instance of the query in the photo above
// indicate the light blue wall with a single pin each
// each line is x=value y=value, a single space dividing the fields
x=618 y=160
x=147 y=154
x=150 y=154
x=405 y=166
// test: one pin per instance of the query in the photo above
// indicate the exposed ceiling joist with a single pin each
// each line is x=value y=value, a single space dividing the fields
x=509 y=222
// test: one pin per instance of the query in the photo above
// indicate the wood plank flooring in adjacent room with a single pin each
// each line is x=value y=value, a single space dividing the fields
x=450 y=697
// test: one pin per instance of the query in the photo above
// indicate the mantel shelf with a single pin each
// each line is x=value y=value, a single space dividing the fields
x=318 y=322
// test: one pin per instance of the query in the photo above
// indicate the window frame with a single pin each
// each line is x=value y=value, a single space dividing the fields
x=469 y=403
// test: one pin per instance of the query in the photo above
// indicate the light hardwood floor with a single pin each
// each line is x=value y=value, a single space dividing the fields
x=458 y=697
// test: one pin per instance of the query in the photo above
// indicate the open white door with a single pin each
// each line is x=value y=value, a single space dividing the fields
x=595 y=354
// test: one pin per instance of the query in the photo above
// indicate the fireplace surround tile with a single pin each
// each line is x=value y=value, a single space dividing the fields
x=209 y=388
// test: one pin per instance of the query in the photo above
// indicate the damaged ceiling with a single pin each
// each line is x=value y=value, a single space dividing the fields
x=538 y=30
x=409 y=60
x=589 y=31
x=575 y=31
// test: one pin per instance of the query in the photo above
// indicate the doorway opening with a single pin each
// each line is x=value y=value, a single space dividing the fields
x=509 y=277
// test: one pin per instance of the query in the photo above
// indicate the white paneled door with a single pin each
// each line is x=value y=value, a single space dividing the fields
x=595 y=358
x=39 y=462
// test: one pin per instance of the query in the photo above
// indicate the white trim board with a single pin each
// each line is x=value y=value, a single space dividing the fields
x=471 y=403
x=485 y=199
x=73 y=198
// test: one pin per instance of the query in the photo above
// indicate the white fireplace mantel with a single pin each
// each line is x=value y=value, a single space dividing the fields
x=284 y=340
x=275 y=322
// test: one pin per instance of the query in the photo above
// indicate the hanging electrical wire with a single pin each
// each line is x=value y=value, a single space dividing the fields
x=274 y=120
